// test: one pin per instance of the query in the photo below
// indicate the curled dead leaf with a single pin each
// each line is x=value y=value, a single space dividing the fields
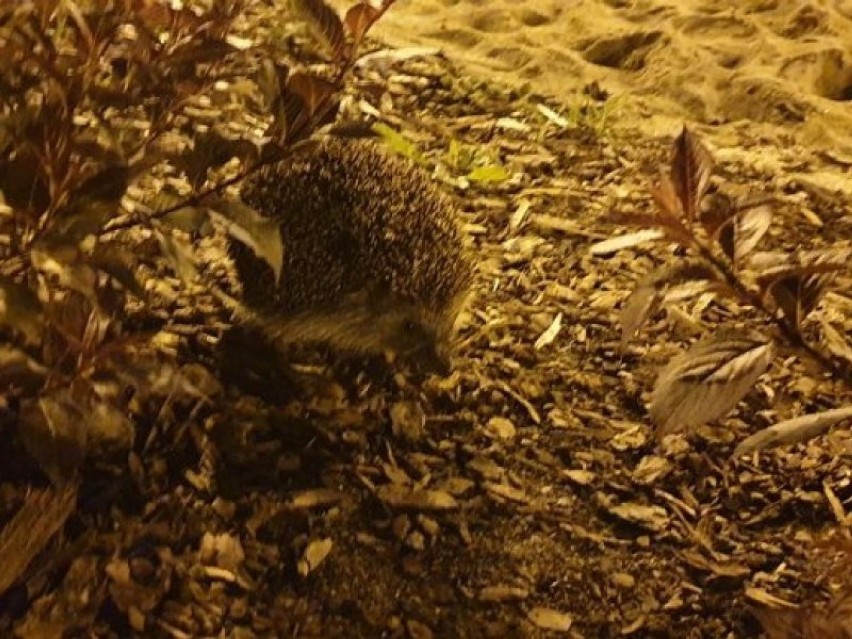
x=650 y=517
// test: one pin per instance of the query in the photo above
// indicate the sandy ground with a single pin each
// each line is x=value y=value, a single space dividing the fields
x=775 y=71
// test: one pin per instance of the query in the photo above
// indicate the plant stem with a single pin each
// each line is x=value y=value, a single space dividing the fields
x=790 y=334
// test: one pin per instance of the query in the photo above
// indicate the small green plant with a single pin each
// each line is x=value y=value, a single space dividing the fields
x=719 y=238
x=595 y=115
x=398 y=143
x=474 y=163
x=585 y=112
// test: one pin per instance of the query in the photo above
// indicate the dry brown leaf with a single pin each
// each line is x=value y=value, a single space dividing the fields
x=792 y=431
x=837 y=344
x=627 y=240
x=549 y=619
x=314 y=555
x=397 y=496
x=550 y=333
x=650 y=517
x=54 y=430
x=315 y=498
x=835 y=622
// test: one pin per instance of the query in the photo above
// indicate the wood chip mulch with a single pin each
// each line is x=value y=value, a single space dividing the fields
x=524 y=496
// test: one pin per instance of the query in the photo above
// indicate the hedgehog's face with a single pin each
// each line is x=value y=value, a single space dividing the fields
x=413 y=336
x=421 y=336
x=373 y=322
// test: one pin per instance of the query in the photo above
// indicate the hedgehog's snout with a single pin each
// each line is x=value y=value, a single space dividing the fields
x=435 y=355
x=435 y=359
x=416 y=339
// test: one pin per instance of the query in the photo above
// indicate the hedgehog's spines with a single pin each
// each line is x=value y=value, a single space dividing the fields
x=356 y=221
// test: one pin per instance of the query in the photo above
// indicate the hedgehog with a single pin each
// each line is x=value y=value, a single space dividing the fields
x=375 y=260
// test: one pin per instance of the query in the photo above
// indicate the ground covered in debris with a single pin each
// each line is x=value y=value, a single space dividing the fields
x=524 y=495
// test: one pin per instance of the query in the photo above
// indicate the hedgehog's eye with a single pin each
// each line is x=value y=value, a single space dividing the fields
x=409 y=326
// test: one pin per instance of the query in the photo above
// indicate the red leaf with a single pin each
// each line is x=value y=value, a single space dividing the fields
x=637 y=308
x=314 y=91
x=775 y=266
x=707 y=380
x=359 y=19
x=691 y=168
x=798 y=295
x=324 y=24
x=665 y=195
